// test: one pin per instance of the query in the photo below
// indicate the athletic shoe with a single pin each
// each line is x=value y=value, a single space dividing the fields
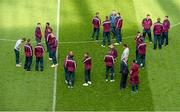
x=50 y=59
x=85 y=84
x=150 y=42
x=53 y=66
x=18 y=65
x=136 y=91
x=71 y=87
x=133 y=92
x=89 y=82
x=116 y=44
x=106 y=80
x=112 y=80
x=102 y=46
x=66 y=81
x=56 y=65
x=141 y=64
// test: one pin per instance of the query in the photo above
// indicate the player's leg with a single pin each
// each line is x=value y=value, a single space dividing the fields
x=112 y=73
x=155 y=41
x=163 y=38
x=89 y=76
x=104 y=39
x=166 y=37
x=107 y=72
x=66 y=74
x=108 y=38
x=97 y=33
x=25 y=63
x=41 y=64
x=73 y=77
x=37 y=64
x=93 y=33
x=149 y=36
x=159 y=41
x=144 y=33
x=16 y=56
x=29 y=63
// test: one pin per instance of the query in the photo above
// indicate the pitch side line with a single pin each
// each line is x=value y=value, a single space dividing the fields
x=55 y=70
x=175 y=25
x=81 y=42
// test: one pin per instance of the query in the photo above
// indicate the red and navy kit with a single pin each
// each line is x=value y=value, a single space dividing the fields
x=70 y=65
x=87 y=63
x=158 y=28
x=38 y=33
x=119 y=22
x=142 y=49
x=28 y=50
x=52 y=42
x=166 y=25
x=106 y=26
x=114 y=53
x=147 y=23
x=134 y=74
x=39 y=51
x=47 y=32
x=96 y=22
x=138 y=40
x=109 y=60
x=29 y=54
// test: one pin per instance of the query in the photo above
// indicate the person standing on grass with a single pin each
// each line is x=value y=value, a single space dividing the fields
x=166 y=27
x=109 y=62
x=106 y=31
x=38 y=34
x=146 y=24
x=96 y=21
x=125 y=53
x=48 y=30
x=71 y=67
x=65 y=69
x=142 y=54
x=52 y=49
x=17 y=50
x=29 y=55
x=49 y=40
x=87 y=69
x=124 y=71
x=158 y=28
x=39 y=51
x=138 y=40
x=134 y=76
x=113 y=23
x=113 y=52
x=119 y=23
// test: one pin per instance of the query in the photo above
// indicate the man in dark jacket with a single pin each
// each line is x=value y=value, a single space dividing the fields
x=124 y=71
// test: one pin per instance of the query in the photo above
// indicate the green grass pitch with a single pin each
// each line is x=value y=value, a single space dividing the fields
x=159 y=87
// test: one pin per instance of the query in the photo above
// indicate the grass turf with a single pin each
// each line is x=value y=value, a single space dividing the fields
x=101 y=95
x=20 y=90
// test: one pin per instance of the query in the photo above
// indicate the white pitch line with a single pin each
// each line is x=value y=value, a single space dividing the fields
x=55 y=70
x=175 y=25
